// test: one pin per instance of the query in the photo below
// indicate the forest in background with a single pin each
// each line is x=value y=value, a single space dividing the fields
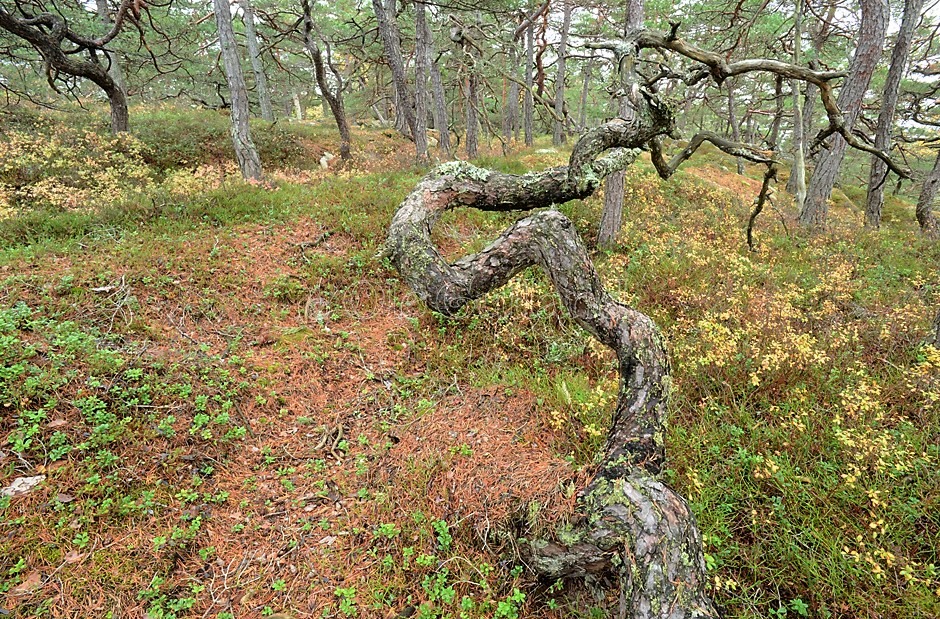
x=237 y=408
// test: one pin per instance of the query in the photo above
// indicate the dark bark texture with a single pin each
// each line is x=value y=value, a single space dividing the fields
x=634 y=527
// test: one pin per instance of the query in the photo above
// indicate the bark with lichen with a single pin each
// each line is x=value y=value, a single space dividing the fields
x=632 y=526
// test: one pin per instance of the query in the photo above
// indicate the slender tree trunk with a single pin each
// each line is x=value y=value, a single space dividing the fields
x=559 y=135
x=245 y=151
x=529 y=104
x=889 y=103
x=925 y=215
x=733 y=124
x=471 y=100
x=333 y=99
x=612 y=215
x=254 y=54
x=439 y=111
x=298 y=107
x=867 y=54
x=797 y=182
x=473 y=125
x=422 y=60
x=388 y=31
x=511 y=111
x=582 y=115
x=441 y=122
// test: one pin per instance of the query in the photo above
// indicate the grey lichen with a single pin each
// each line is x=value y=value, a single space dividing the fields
x=463 y=170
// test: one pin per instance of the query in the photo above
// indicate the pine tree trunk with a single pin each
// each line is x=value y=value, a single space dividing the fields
x=439 y=112
x=254 y=54
x=797 y=183
x=473 y=125
x=582 y=115
x=889 y=103
x=867 y=54
x=388 y=31
x=115 y=70
x=924 y=212
x=733 y=124
x=529 y=104
x=632 y=529
x=612 y=214
x=248 y=160
x=559 y=135
x=511 y=108
x=333 y=99
x=421 y=84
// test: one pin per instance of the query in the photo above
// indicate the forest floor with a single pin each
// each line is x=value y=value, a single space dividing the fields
x=234 y=408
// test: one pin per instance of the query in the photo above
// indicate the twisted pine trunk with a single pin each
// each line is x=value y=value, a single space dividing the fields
x=635 y=528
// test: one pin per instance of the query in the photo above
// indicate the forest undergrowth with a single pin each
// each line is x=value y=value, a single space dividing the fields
x=234 y=408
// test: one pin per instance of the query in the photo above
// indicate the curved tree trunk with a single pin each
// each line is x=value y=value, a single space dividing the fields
x=248 y=160
x=46 y=33
x=889 y=103
x=636 y=529
x=254 y=55
x=867 y=53
x=924 y=212
x=333 y=99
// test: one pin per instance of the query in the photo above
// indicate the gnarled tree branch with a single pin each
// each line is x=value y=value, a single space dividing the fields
x=635 y=527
